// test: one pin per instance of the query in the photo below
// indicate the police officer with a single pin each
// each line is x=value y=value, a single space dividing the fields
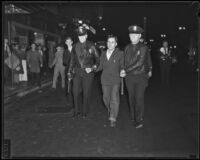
x=165 y=63
x=136 y=79
x=84 y=61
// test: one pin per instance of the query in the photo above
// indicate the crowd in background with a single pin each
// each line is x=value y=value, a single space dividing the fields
x=24 y=65
x=27 y=65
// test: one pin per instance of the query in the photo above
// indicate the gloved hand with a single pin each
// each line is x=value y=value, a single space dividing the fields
x=122 y=73
x=88 y=70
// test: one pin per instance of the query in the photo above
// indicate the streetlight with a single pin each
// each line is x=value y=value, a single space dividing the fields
x=100 y=17
x=182 y=28
x=151 y=40
x=163 y=35
x=80 y=21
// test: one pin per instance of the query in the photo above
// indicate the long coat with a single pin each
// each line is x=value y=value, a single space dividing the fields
x=34 y=59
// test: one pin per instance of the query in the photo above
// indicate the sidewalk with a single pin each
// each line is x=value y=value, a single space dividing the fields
x=21 y=90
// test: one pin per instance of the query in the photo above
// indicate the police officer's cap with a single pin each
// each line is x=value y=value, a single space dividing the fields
x=81 y=31
x=135 y=29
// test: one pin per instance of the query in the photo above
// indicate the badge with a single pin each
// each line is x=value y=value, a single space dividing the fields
x=138 y=52
x=90 y=50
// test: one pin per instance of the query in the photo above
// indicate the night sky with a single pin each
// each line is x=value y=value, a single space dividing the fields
x=161 y=18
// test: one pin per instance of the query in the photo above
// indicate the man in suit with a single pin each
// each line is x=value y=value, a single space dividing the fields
x=112 y=63
x=165 y=63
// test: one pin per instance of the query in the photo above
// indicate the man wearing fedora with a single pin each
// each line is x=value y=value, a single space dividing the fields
x=84 y=61
x=59 y=67
x=136 y=79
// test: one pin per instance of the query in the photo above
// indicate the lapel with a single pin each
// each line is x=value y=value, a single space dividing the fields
x=112 y=55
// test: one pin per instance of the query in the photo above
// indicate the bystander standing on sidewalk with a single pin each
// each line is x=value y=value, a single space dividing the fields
x=59 y=67
x=19 y=69
x=7 y=70
x=34 y=62
x=42 y=55
x=23 y=77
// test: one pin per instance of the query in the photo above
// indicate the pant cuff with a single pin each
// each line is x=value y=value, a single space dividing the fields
x=112 y=119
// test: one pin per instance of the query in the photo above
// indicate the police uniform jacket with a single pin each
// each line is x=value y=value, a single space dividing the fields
x=84 y=55
x=135 y=58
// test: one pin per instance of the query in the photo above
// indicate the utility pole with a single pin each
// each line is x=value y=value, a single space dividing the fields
x=145 y=28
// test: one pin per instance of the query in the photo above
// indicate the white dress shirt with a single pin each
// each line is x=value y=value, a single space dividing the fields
x=109 y=53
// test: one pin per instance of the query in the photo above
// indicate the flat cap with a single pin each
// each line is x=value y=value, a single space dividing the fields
x=135 y=29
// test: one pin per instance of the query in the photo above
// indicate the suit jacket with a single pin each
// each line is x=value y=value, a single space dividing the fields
x=34 y=59
x=165 y=57
x=148 y=63
x=111 y=68
x=67 y=58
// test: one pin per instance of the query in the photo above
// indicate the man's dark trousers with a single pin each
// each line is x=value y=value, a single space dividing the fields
x=165 y=67
x=136 y=85
x=82 y=82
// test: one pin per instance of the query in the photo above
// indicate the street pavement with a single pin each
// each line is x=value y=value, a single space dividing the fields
x=40 y=125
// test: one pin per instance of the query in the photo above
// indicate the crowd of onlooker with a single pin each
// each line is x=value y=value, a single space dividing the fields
x=24 y=65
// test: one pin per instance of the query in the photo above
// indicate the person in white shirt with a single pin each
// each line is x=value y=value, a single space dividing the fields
x=165 y=63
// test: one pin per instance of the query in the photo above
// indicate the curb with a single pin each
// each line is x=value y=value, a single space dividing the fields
x=22 y=93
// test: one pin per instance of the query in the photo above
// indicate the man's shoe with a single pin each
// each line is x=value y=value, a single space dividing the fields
x=112 y=123
x=139 y=125
x=84 y=116
x=75 y=116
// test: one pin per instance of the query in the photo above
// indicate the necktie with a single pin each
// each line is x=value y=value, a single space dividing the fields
x=165 y=51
